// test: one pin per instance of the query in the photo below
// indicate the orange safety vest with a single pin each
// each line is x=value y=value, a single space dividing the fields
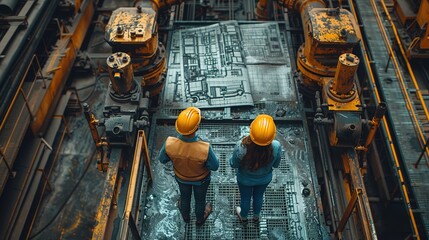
x=189 y=158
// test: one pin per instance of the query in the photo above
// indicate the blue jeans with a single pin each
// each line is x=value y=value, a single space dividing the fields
x=246 y=193
x=199 y=197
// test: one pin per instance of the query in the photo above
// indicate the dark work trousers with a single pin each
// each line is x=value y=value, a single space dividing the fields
x=248 y=192
x=199 y=197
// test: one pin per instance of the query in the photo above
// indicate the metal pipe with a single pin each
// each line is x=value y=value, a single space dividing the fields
x=304 y=7
x=104 y=216
x=99 y=142
x=344 y=75
x=19 y=53
x=7 y=7
x=329 y=188
x=121 y=72
x=375 y=122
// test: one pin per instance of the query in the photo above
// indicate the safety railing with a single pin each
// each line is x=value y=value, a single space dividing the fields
x=422 y=137
x=46 y=176
x=17 y=110
x=128 y=220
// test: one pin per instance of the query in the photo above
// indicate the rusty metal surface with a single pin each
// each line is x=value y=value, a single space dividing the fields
x=327 y=27
x=129 y=19
x=59 y=65
x=102 y=217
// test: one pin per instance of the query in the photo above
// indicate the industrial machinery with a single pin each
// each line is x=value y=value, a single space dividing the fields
x=414 y=19
x=125 y=109
x=105 y=80
x=135 y=31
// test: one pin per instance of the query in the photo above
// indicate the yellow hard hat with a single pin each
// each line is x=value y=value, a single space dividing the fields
x=188 y=121
x=263 y=130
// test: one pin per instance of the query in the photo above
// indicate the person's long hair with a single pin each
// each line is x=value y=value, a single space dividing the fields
x=256 y=156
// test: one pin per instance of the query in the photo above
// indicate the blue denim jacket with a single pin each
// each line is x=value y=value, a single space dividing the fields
x=262 y=175
x=211 y=164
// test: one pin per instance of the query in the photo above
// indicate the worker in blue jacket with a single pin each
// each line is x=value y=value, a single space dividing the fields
x=192 y=161
x=255 y=156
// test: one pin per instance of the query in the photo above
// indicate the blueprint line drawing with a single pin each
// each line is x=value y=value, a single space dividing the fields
x=270 y=83
x=262 y=44
x=227 y=64
x=213 y=68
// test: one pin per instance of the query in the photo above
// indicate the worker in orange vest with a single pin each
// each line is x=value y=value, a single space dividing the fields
x=255 y=156
x=193 y=160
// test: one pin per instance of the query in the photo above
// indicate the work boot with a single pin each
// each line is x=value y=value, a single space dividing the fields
x=207 y=212
x=187 y=219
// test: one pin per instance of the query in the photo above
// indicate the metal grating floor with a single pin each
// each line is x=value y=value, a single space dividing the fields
x=285 y=214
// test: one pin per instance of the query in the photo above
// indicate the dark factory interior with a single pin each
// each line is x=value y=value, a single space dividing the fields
x=91 y=89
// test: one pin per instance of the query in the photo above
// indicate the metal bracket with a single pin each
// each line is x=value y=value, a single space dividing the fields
x=350 y=207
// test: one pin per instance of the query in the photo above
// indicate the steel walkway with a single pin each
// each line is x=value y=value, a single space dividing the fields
x=286 y=213
x=290 y=210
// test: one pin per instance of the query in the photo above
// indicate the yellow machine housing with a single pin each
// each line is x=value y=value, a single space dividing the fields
x=120 y=72
x=343 y=103
x=135 y=32
x=423 y=21
x=329 y=33
x=157 y=5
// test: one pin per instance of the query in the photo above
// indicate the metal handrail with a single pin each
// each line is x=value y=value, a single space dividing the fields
x=400 y=77
x=26 y=104
x=20 y=86
x=410 y=71
x=57 y=152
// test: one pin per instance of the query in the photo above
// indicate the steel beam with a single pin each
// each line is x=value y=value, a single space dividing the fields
x=104 y=216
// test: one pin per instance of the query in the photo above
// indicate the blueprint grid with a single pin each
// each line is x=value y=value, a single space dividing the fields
x=213 y=68
x=270 y=83
x=262 y=44
x=227 y=64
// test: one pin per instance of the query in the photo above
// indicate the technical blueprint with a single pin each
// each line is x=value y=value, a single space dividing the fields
x=213 y=68
x=262 y=44
x=227 y=64
x=270 y=83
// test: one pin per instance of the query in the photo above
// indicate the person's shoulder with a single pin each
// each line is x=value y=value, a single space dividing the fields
x=204 y=142
x=239 y=142
x=199 y=139
x=276 y=144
